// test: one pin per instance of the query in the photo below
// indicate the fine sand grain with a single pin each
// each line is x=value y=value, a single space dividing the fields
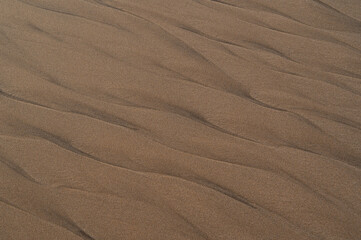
x=180 y=119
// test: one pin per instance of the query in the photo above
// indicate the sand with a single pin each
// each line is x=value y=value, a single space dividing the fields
x=180 y=119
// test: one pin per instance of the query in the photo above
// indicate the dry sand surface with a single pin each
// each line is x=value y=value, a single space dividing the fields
x=180 y=119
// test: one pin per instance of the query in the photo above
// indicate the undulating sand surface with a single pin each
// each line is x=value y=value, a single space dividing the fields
x=180 y=119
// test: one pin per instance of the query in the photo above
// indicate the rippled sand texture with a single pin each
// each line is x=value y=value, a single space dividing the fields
x=179 y=119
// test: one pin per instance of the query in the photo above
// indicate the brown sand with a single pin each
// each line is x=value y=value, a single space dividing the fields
x=180 y=119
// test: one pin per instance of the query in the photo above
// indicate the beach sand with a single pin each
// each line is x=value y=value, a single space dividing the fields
x=180 y=120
